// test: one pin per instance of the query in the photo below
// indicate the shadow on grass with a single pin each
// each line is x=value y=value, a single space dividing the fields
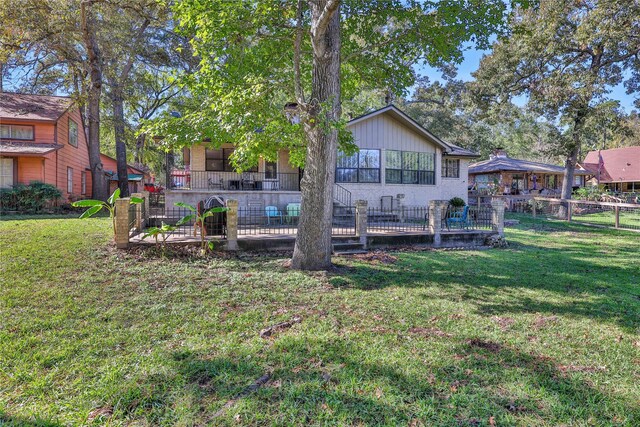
x=494 y=280
x=7 y=420
x=342 y=384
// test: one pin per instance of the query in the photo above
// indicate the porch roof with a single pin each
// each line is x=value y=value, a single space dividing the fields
x=27 y=148
x=507 y=164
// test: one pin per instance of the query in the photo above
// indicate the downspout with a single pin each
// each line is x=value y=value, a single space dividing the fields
x=55 y=140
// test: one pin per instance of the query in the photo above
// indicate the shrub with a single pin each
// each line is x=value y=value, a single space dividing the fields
x=457 y=202
x=593 y=193
x=30 y=198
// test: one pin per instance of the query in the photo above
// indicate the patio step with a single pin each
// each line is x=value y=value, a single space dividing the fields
x=346 y=248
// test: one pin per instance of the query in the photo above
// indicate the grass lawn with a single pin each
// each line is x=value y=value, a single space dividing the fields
x=628 y=219
x=544 y=333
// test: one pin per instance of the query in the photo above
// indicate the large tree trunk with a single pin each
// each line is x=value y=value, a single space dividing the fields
x=98 y=182
x=572 y=159
x=140 y=142
x=121 y=147
x=313 y=242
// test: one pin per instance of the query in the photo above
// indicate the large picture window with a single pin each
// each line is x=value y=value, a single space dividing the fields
x=217 y=160
x=362 y=166
x=16 y=132
x=409 y=167
x=450 y=168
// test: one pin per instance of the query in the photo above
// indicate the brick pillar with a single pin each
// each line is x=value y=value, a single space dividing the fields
x=139 y=212
x=435 y=220
x=400 y=206
x=497 y=215
x=122 y=223
x=232 y=225
x=361 y=221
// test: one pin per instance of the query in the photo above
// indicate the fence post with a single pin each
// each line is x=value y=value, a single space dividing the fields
x=569 y=210
x=232 y=225
x=497 y=215
x=435 y=220
x=139 y=213
x=122 y=223
x=145 y=212
x=534 y=206
x=361 y=221
x=617 y=210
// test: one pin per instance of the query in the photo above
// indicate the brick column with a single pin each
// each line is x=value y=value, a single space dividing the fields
x=232 y=225
x=497 y=215
x=139 y=214
x=361 y=221
x=435 y=220
x=122 y=223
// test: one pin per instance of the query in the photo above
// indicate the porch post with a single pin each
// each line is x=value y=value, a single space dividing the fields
x=361 y=221
x=497 y=215
x=122 y=223
x=435 y=220
x=232 y=225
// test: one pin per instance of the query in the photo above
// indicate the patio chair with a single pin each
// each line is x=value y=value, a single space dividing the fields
x=213 y=184
x=293 y=212
x=458 y=217
x=272 y=213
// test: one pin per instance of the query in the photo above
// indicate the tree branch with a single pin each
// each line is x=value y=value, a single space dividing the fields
x=320 y=26
x=296 y=56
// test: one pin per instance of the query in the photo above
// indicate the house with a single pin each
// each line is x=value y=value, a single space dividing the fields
x=501 y=174
x=42 y=139
x=618 y=169
x=137 y=177
x=399 y=163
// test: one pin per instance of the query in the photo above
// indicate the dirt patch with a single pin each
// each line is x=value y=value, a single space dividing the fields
x=271 y=330
x=578 y=368
x=104 y=412
x=376 y=257
x=541 y=321
x=491 y=346
x=504 y=323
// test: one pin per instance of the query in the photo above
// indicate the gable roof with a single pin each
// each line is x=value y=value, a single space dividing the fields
x=618 y=164
x=20 y=106
x=27 y=148
x=504 y=163
x=402 y=117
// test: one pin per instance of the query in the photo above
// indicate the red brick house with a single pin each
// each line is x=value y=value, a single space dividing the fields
x=42 y=138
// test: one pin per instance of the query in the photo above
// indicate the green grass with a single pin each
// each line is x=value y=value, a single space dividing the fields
x=628 y=219
x=544 y=333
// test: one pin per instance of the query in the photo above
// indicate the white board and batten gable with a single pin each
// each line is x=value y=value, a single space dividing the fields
x=390 y=129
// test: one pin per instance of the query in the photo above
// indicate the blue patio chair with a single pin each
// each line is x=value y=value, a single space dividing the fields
x=458 y=217
x=272 y=212
x=293 y=212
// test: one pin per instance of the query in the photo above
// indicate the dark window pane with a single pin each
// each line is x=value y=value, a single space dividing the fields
x=347 y=175
x=426 y=178
x=393 y=176
x=409 y=177
x=345 y=161
x=369 y=175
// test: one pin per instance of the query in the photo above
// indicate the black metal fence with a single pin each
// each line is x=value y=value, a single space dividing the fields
x=256 y=221
x=400 y=219
x=467 y=218
x=343 y=221
x=214 y=225
x=232 y=181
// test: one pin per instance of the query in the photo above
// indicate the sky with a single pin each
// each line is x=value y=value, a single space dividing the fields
x=471 y=62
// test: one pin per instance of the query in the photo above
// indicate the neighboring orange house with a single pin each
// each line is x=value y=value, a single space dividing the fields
x=137 y=178
x=42 y=138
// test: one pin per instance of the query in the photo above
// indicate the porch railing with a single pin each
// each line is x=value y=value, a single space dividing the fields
x=233 y=181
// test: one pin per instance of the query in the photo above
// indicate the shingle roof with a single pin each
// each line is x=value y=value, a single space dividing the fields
x=619 y=164
x=19 y=106
x=501 y=163
x=27 y=148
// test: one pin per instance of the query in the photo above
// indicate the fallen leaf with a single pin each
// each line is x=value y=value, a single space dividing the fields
x=492 y=421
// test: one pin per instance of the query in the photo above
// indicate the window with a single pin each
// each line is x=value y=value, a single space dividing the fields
x=73 y=133
x=16 y=132
x=83 y=182
x=409 y=167
x=69 y=180
x=217 y=160
x=450 y=168
x=6 y=172
x=550 y=182
x=362 y=166
x=270 y=170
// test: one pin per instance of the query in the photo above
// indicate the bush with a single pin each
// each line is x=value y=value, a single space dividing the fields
x=457 y=202
x=593 y=193
x=30 y=198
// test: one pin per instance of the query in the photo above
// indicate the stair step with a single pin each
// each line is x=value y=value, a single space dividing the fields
x=346 y=246
x=351 y=252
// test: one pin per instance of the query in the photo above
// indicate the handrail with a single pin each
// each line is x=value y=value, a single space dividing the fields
x=342 y=195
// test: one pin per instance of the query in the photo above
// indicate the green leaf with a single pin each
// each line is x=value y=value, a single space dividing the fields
x=115 y=196
x=185 y=205
x=86 y=203
x=136 y=200
x=91 y=211
x=185 y=219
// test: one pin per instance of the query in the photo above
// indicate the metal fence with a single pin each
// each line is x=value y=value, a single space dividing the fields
x=344 y=221
x=215 y=225
x=401 y=219
x=467 y=218
x=618 y=215
x=257 y=221
x=232 y=181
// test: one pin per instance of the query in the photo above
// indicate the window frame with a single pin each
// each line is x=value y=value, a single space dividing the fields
x=226 y=164
x=355 y=158
x=447 y=169
x=83 y=183
x=76 y=133
x=13 y=171
x=268 y=172
x=11 y=137
x=69 y=180
x=421 y=176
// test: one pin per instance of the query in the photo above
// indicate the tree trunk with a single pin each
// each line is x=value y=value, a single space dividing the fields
x=121 y=147
x=572 y=160
x=140 y=141
x=94 y=63
x=313 y=242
